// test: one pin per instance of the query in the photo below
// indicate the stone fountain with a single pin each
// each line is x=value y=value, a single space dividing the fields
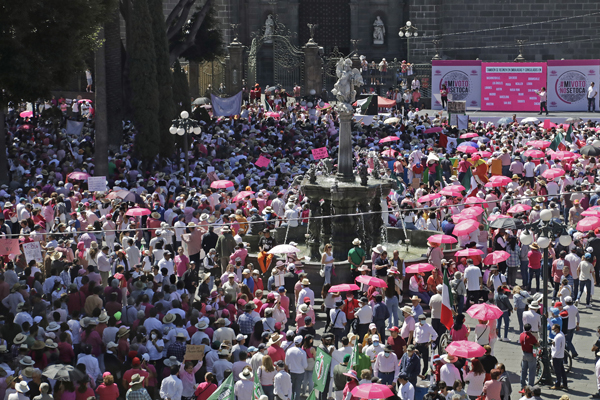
x=335 y=199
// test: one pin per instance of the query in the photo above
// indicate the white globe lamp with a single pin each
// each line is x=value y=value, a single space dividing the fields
x=526 y=238
x=543 y=242
x=184 y=114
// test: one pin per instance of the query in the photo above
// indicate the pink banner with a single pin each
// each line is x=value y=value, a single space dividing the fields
x=262 y=162
x=9 y=246
x=320 y=153
x=512 y=86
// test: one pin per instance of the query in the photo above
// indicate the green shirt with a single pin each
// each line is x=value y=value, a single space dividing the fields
x=356 y=254
x=364 y=362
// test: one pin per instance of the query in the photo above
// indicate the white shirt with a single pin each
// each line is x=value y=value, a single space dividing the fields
x=171 y=388
x=179 y=230
x=598 y=374
x=296 y=360
x=533 y=318
x=529 y=169
x=591 y=92
x=407 y=391
x=103 y=262
x=306 y=292
x=339 y=317
x=386 y=364
x=243 y=389
x=282 y=385
x=168 y=264
x=558 y=346
x=449 y=374
x=365 y=315
x=573 y=316
x=91 y=365
x=424 y=333
x=372 y=351
x=472 y=275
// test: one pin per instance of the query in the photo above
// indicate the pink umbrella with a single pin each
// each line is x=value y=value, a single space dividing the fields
x=242 y=195
x=389 y=139
x=553 y=173
x=418 y=268
x=494 y=184
x=484 y=153
x=472 y=212
x=221 y=184
x=372 y=391
x=469 y=135
x=137 y=212
x=429 y=197
x=496 y=257
x=564 y=155
x=550 y=125
x=447 y=191
x=540 y=144
x=273 y=114
x=466 y=149
x=465 y=349
x=484 y=312
x=588 y=224
x=591 y=213
x=465 y=227
x=344 y=287
x=495 y=217
x=390 y=153
x=456 y=187
x=505 y=180
x=85 y=101
x=442 y=239
x=517 y=208
x=468 y=253
x=78 y=176
x=460 y=218
x=434 y=129
x=371 y=281
x=26 y=114
x=474 y=200
x=534 y=153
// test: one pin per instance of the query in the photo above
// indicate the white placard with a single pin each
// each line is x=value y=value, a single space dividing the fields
x=33 y=251
x=97 y=183
x=279 y=280
x=462 y=79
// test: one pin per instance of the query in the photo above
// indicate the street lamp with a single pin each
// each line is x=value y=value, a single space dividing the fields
x=182 y=126
x=407 y=31
x=545 y=230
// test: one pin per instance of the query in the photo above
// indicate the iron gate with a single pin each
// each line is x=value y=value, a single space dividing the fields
x=287 y=59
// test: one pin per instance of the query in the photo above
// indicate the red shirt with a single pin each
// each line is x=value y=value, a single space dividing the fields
x=130 y=372
x=527 y=341
x=66 y=353
x=349 y=307
x=110 y=392
x=276 y=353
x=535 y=259
x=398 y=345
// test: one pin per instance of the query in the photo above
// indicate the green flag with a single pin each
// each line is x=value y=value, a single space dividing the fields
x=321 y=371
x=466 y=180
x=364 y=104
x=556 y=141
x=312 y=395
x=267 y=106
x=225 y=391
x=354 y=356
x=258 y=390
x=569 y=132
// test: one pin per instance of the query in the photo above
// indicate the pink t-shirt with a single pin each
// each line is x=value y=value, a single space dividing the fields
x=181 y=262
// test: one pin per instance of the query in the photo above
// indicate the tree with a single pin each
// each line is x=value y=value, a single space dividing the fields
x=208 y=41
x=142 y=73
x=164 y=77
x=181 y=89
x=42 y=44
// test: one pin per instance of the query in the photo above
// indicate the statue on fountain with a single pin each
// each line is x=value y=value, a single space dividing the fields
x=363 y=172
x=343 y=89
x=312 y=174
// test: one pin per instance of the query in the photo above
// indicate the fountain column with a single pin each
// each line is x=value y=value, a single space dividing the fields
x=314 y=230
x=326 y=222
x=345 y=162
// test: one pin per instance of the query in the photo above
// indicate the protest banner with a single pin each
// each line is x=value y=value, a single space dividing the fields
x=97 y=183
x=320 y=153
x=33 y=252
x=194 y=352
x=262 y=162
x=9 y=246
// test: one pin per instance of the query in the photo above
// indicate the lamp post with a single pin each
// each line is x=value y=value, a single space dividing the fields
x=545 y=230
x=407 y=31
x=182 y=126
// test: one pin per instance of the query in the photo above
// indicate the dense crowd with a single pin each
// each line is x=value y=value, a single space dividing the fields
x=127 y=279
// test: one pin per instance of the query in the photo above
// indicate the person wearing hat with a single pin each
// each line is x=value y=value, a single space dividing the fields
x=365 y=318
x=305 y=292
x=356 y=258
x=533 y=318
x=386 y=366
x=282 y=383
x=136 y=369
x=410 y=364
x=585 y=272
x=297 y=362
x=424 y=336
x=449 y=373
x=338 y=321
x=243 y=388
x=274 y=347
x=408 y=326
x=416 y=306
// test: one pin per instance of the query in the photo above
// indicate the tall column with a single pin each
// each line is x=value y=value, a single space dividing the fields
x=236 y=65
x=101 y=150
x=313 y=71
x=345 y=165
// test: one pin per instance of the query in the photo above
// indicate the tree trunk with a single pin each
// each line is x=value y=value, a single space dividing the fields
x=101 y=150
x=3 y=161
x=114 y=80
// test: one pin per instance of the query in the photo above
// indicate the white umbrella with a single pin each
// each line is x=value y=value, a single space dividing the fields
x=530 y=120
x=284 y=249
x=392 y=120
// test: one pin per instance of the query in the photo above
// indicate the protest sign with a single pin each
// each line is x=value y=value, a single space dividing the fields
x=97 y=183
x=33 y=252
x=320 y=153
x=194 y=352
x=279 y=280
x=9 y=246
x=262 y=162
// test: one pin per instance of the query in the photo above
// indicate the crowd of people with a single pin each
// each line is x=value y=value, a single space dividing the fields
x=127 y=279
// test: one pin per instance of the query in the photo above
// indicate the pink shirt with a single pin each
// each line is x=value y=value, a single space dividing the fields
x=181 y=262
x=110 y=392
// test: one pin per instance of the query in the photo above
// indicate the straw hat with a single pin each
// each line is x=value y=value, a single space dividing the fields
x=51 y=344
x=27 y=360
x=171 y=361
x=136 y=379
x=356 y=242
x=20 y=338
x=275 y=338
x=407 y=309
x=246 y=374
x=534 y=246
x=38 y=345
x=447 y=358
x=122 y=331
x=22 y=387
x=379 y=249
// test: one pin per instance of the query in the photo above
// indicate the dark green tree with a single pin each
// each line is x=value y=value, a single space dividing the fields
x=144 y=87
x=181 y=89
x=164 y=77
x=42 y=44
x=208 y=41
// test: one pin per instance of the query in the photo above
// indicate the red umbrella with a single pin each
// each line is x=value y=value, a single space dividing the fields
x=469 y=135
x=588 y=224
x=468 y=253
x=465 y=349
x=434 y=129
x=553 y=173
x=455 y=187
x=496 y=257
x=517 y=208
x=85 y=101
x=389 y=139
x=474 y=200
x=442 y=239
x=466 y=149
x=221 y=184
x=494 y=184
x=137 y=212
x=78 y=176
x=534 y=153
x=429 y=197
x=465 y=227
x=540 y=144
x=372 y=391
x=484 y=312
x=273 y=114
x=371 y=281
x=344 y=287
x=390 y=153
x=505 y=180
x=418 y=268
x=242 y=195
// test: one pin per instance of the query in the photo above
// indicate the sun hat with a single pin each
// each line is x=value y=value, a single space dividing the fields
x=137 y=379
x=27 y=360
x=246 y=374
x=22 y=387
x=407 y=309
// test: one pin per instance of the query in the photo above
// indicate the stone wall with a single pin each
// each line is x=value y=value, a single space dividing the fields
x=444 y=17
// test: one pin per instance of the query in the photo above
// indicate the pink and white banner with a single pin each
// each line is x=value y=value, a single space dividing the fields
x=511 y=86
x=462 y=79
x=568 y=82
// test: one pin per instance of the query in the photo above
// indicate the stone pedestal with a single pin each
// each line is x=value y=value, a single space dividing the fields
x=313 y=76
x=345 y=158
x=235 y=67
